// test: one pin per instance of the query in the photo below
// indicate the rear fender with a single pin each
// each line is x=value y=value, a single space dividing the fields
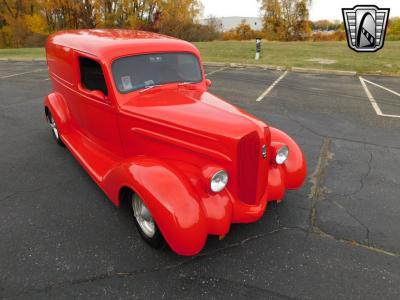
x=58 y=108
x=169 y=196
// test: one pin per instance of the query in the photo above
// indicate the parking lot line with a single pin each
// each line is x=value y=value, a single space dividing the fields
x=372 y=99
x=382 y=87
x=216 y=71
x=269 y=89
x=23 y=73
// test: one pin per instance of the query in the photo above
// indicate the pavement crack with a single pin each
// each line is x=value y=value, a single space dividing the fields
x=140 y=272
x=367 y=231
x=362 y=179
x=237 y=285
x=363 y=142
x=240 y=243
x=324 y=234
x=317 y=192
x=318 y=177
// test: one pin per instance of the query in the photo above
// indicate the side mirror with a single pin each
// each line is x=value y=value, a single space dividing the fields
x=99 y=95
x=208 y=83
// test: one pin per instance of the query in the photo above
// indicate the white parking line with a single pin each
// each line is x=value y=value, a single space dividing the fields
x=216 y=71
x=18 y=74
x=382 y=87
x=269 y=89
x=372 y=99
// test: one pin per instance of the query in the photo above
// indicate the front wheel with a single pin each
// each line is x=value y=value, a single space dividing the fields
x=145 y=223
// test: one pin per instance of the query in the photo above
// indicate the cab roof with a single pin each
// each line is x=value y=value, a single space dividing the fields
x=108 y=44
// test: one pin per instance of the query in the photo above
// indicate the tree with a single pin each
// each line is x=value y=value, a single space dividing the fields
x=286 y=19
x=23 y=22
x=175 y=17
x=244 y=31
x=272 y=21
x=302 y=28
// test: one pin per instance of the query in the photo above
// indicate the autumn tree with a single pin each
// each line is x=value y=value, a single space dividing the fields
x=393 y=30
x=272 y=20
x=28 y=22
x=286 y=19
x=15 y=18
x=214 y=26
x=177 y=16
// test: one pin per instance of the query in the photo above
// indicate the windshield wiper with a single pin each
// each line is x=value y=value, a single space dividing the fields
x=186 y=83
x=147 y=88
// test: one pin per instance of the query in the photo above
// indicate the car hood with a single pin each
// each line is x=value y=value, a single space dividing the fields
x=194 y=110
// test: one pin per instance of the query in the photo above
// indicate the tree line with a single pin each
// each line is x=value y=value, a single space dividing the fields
x=27 y=23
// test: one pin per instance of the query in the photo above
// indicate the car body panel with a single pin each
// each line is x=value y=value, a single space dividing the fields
x=166 y=143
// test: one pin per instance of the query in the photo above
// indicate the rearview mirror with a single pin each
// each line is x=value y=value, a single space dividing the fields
x=208 y=83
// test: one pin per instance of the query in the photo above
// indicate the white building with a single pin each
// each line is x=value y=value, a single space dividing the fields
x=228 y=23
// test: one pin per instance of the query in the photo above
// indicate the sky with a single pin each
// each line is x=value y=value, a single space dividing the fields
x=320 y=9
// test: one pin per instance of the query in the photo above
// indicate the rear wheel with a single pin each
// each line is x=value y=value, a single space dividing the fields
x=54 y=129
x=145 y=223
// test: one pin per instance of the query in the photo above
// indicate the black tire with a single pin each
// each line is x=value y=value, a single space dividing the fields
x=153 y=237
x=54 y=130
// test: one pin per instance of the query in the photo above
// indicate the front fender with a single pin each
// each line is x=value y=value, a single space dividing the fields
x=292 y=173
x=169 y=196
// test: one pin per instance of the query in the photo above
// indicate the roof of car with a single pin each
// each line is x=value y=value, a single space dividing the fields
x=108 y=44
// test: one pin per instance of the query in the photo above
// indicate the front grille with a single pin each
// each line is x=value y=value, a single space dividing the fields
x=249 y=154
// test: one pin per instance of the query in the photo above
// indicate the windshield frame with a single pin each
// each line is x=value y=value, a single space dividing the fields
x=198 y=60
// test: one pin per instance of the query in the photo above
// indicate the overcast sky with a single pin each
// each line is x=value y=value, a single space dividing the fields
x=320 y=9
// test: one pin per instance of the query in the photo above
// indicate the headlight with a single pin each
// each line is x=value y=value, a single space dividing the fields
x=281 y=155
x=219 y=181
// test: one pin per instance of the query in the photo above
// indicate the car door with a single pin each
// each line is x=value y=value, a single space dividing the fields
x=97 y=105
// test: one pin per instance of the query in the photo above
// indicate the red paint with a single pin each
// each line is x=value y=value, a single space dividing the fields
x=166 y=144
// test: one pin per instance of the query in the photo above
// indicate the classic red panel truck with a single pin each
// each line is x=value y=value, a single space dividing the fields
x=134 y=109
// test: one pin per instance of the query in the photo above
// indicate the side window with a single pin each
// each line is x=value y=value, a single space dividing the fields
x=92 y=77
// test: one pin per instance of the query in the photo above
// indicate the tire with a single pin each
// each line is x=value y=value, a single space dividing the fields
x=145 y=223
x=54 y=129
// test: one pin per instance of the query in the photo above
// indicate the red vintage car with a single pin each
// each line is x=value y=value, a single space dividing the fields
x=134 y=110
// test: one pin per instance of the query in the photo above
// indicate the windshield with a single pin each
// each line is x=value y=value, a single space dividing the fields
x=140 y=71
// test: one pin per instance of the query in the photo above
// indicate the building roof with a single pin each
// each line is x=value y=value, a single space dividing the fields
x=109 y=44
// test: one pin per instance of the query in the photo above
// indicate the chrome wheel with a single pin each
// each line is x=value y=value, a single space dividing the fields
x=143 y=217
x=53 y=126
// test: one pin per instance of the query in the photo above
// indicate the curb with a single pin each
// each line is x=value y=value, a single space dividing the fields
x=324 y=71
x=281 y=68
x=254 y=66
x=238 y=65
x=22 y=59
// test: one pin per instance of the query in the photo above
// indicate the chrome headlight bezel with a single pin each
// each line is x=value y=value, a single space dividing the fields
x=219 y=181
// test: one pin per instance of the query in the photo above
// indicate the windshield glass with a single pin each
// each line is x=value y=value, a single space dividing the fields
x=140 y=71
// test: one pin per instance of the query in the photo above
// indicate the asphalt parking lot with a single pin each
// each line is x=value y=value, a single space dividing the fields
x=338 y=237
